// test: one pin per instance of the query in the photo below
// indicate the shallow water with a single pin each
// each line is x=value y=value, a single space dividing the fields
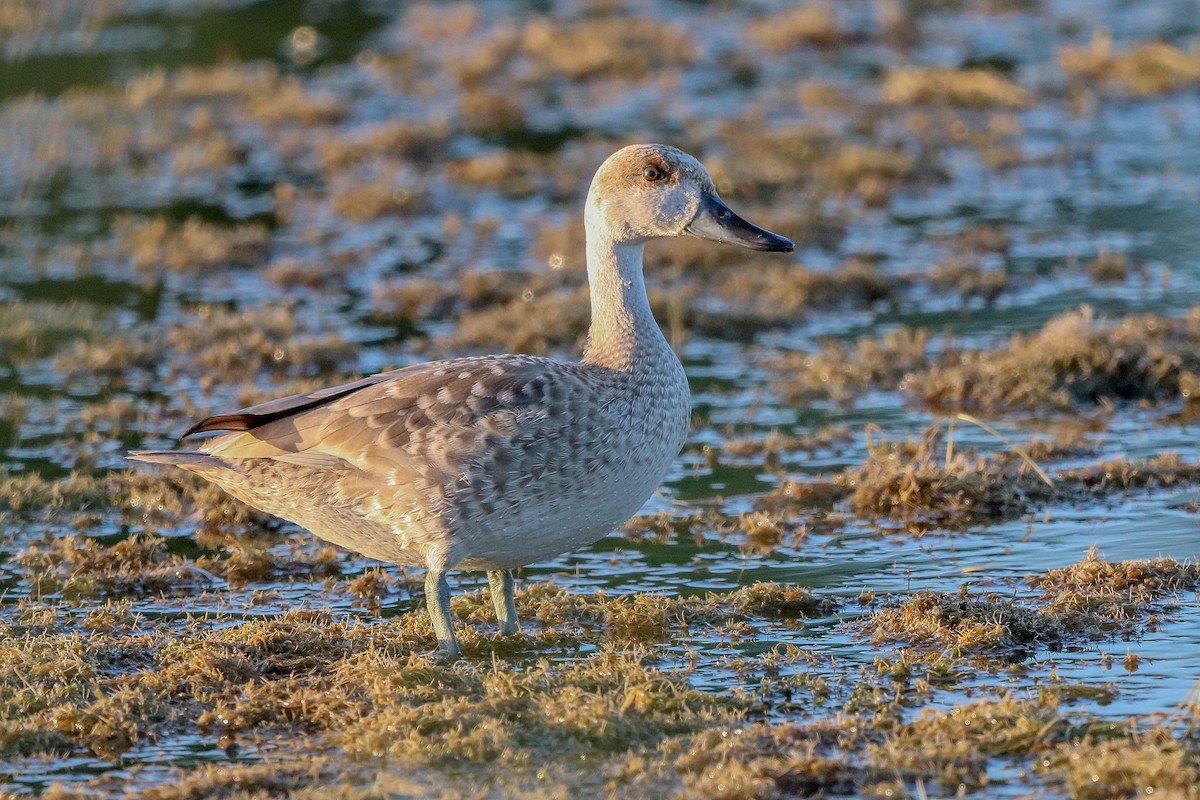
x=1123 y=177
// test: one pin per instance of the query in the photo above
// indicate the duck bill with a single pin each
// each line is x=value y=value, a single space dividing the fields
x=716 y=221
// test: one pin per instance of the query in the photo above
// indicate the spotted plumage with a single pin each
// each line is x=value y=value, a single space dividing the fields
x=498 y=461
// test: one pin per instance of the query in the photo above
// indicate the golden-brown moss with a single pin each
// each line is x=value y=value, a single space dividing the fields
x=155 y=245
x=31 y=330
x=1076 y=360
x=796 y=27
x=840 y=373
x=1093 y=599
x=1140 y=764
x=973 y=88
x=1147 y=69
x=533 y=323
x=218 y=341
x=625 y=47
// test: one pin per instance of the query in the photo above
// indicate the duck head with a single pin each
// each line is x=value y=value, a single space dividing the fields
x=654 y=191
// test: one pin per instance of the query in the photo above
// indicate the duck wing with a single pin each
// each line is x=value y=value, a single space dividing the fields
x=428 y=424
x=255 y=416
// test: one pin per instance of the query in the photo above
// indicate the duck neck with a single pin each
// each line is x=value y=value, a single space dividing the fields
x=623 y=330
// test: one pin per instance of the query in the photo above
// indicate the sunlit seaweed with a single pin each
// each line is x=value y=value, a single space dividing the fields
x=972 y=88
x=1091 y=600
x=1146 y=69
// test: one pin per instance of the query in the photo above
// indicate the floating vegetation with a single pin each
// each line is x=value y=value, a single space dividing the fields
x=1092 y=600
x=623 y=47
x=842 y=373
x=1076 y=361
x=913 y=482
x=30 y=330
x=970 y=88
x=196 y=246
x=797 y=27
x=1147 y=69
x=921 y=484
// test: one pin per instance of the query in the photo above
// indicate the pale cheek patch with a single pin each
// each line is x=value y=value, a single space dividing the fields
x=676 y=212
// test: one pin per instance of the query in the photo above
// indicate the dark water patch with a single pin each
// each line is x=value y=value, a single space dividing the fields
x=185 y=208
x=538 y=140
x=93 y=290
x=245 y=31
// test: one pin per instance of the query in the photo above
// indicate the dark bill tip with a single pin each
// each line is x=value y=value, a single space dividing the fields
x=716 y=221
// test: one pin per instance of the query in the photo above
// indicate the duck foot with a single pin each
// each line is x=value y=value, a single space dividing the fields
x=504 y=600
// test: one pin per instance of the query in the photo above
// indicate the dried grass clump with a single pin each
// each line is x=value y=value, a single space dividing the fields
x=33 y=330
x=1117 y=594
x=1153 y=763
x=78 y=567
x=964 y=624
x=778 y=444
x=291 y=102
x=233 y=344
x=620 y=47
x=912 y=482
x=438 y=22
x=418 y=142
x=419 y=298
x=193 y=248
x=954 y=747
x=1147 y=69
x=969 y=88
x=651 y=618
x=28 y=492
x=1092 y=600
x=243 y=564
x=1074 y=361
x=514 y=173
x=760 y=762
x=27 y=16
x=778 y=601
x=223 y=81
x=796 y=497
x=969 y=280
x=795 y=27
x=535 y=324
x=732 y=302
x=607 y=703
x=111 y=357
x=488 y=112
x=140 y=566
x=872 y=173
x=840 y=373
x=779 y=155
x=495 y=55
x=370 y=200
x=1109 y=267
x=1162 y=471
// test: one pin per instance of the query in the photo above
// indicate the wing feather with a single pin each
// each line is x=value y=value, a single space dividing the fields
x=254 y=416
x=433 y=421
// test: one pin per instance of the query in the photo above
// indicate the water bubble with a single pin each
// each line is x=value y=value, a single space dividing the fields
x=304 y=45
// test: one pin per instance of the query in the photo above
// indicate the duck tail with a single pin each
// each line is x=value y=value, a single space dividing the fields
x=190 y=460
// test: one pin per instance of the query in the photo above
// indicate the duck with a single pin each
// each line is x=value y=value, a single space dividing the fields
x=494 y=462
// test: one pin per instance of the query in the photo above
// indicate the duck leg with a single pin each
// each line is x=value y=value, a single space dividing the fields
x=437 y=598
x=501 y=581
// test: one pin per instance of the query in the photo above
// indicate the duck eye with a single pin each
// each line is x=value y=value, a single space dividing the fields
x=653 y=173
